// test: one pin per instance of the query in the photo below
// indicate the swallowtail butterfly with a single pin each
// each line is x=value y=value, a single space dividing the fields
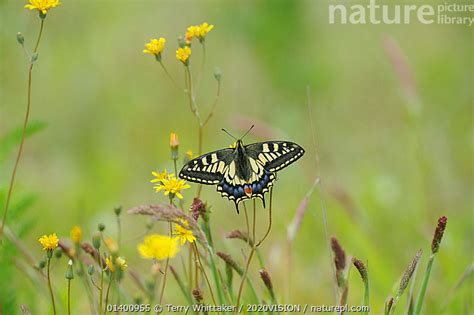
x=243 y=172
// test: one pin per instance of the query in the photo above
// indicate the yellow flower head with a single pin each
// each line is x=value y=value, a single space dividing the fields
x=159 y=247
x=155 y=46
x=173 y=186
x=49 y=242
x=42 y=5
x=233 y=145
x=159 y=176
x=191 y=32
x=121 y=263
x=76 y=234
x=199 y=31
x=110 y=264
x=189 y=155
x=203 y=29
x=111 y=245
x=183 y=233
x=182 y=54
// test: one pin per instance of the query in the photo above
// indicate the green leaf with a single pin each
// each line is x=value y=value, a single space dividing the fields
x=13 y=138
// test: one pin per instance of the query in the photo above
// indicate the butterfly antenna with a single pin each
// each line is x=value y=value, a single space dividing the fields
x=229 y=134
x=247 y=132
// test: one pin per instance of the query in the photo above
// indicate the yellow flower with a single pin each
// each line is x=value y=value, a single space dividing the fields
x=110 y=264
x=160 y=176
x=183 y=233
x=111 y=245
x=189 y=155
x=49 y=242
x=159 y=247
x=191 y=32
x=199 y=31
x=233 y=145
x=182 y=54
x=42 y=5
x=203 y=29
x=121 y=263
x=76 y=234
x=155 y=46
x=174 y=141
x=173 y=186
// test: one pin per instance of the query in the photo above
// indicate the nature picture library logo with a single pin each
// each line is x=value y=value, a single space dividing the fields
x=373 y=12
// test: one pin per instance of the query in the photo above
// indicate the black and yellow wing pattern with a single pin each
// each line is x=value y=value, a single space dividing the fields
x=243 y=172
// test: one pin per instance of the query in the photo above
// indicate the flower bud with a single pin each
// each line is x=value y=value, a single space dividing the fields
x=111 y=245
x=69 y=272
x=41 y=264
x=181 y=41
x=118 y=210
x=58 y=253
x=217 y=74
x=96 y=240
x=101 y=227
x=19 y=38
x=174 y=145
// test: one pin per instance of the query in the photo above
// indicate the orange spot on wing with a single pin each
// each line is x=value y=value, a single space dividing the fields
x=248 y=191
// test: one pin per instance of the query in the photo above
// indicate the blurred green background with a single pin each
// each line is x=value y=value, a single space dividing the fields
x=109 y=109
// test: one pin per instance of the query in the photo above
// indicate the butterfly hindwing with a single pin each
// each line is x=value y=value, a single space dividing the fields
x=208 y=168
x=275 y=155
x=237 y=189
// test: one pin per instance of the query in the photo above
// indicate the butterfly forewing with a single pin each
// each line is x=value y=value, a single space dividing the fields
x=208 y=168
x=275 y=155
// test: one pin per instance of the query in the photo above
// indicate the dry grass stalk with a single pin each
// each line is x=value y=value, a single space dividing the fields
x=240 y=235
x=169 y=213
x=231 y=262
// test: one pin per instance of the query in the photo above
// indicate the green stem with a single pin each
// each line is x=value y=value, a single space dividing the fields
x=69 y=296
x=244 y=276
x=190 y=265
x=50 y=287
x=249 y=259
x=169 y=76
x=184 y=290
x=215 y=275
x=119 y=232
x=203 y=63
x=107 y=293
x=366 y=301
x=23 y=135
x=166 y=272
x=214 y=104
x=196 y=253
x=424 y=286
x=101 y=288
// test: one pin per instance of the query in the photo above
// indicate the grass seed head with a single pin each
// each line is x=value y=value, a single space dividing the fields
x=438 y=235
x=231 y=262
x=409 y=272
x=359 y=264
